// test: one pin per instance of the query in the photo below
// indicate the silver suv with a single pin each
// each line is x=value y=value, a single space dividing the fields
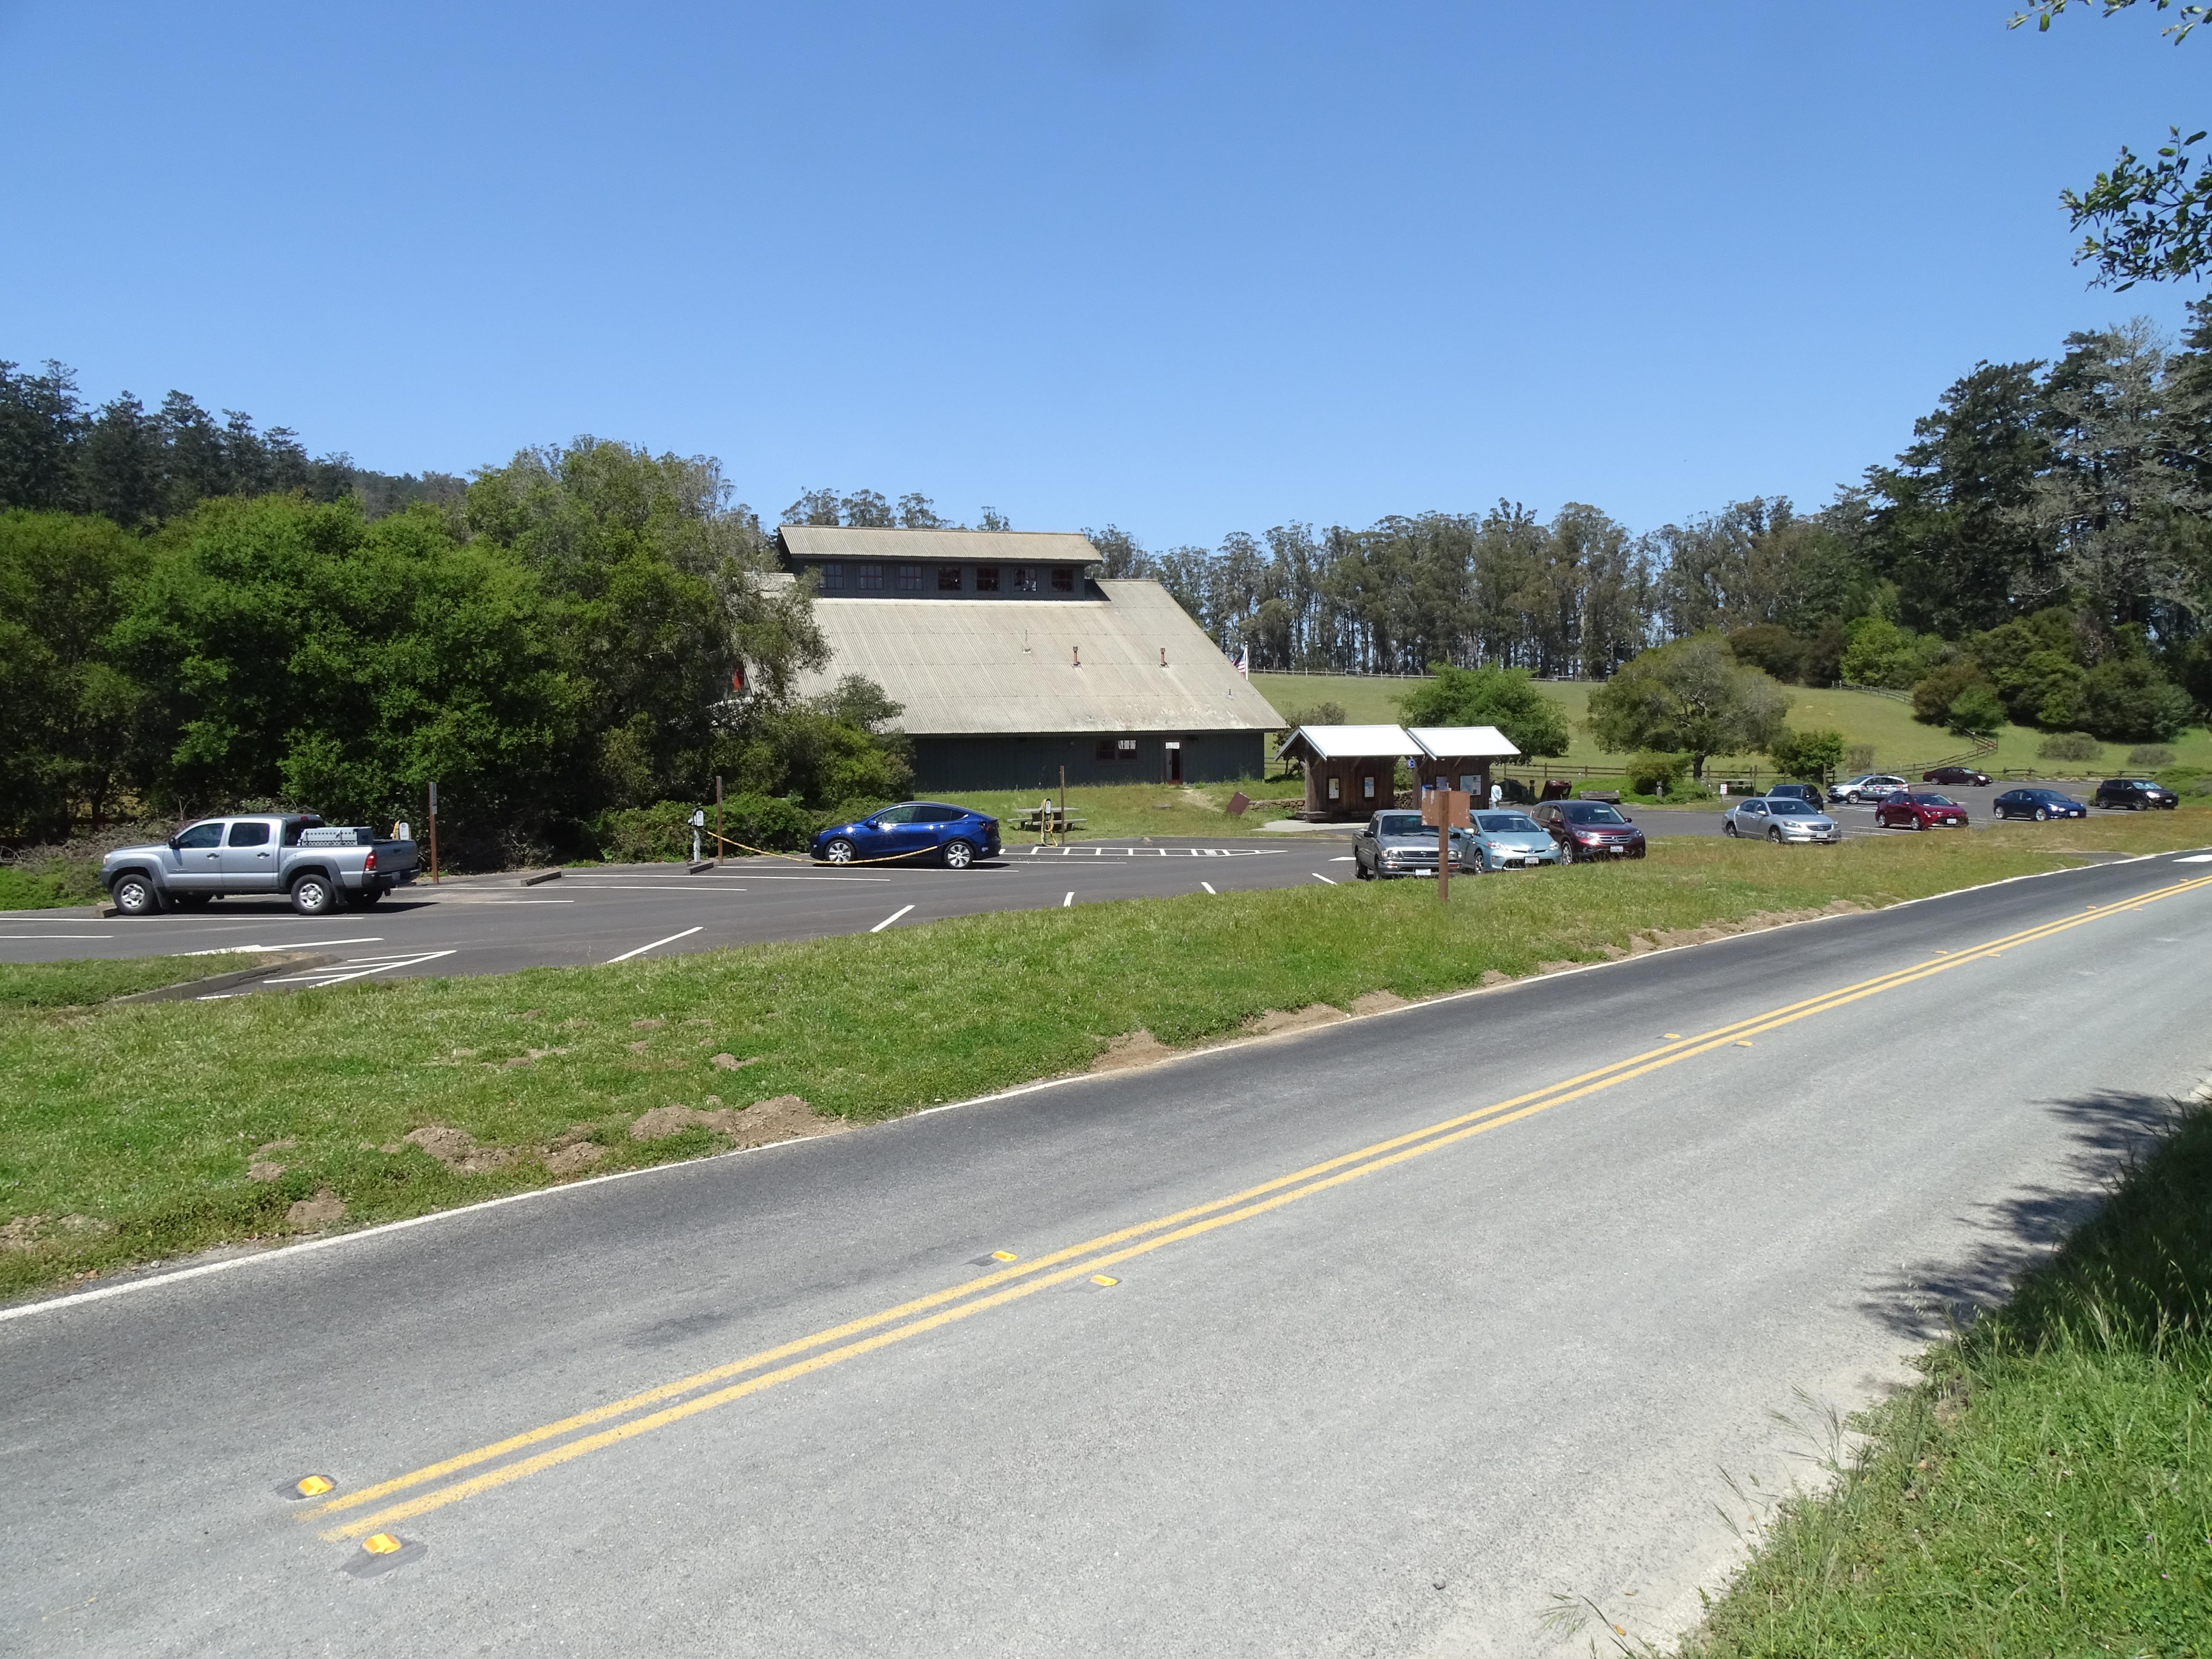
x=1873 y=787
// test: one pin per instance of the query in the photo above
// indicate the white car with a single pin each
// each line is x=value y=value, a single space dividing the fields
x=1874 y=786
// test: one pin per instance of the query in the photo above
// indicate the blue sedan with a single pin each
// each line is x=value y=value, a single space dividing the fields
x=913 y=829
x=2038 y=804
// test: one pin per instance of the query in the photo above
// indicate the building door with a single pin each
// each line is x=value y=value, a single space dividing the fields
x=1175 y=762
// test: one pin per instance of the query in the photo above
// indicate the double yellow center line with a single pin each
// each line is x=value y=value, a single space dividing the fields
x=672 y=1403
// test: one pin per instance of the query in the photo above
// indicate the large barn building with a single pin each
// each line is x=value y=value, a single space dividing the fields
x=1010 y=663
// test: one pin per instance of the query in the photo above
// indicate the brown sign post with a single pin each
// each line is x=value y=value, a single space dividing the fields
x=1447 y=809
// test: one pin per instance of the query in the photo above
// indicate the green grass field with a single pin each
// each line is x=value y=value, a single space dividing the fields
x=134 y=1133
x=1861 y=716
x=2048 y=1488
x=88 y=982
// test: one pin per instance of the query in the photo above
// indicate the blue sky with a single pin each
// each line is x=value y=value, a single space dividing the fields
x=1186 y=269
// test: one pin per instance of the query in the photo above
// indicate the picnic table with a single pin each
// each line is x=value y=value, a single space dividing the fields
x=1059 y=823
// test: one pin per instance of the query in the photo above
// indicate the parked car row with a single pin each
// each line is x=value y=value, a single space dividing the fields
x=1398 y=843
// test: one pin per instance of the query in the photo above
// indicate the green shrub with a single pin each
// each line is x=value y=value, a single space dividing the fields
x=1321 y=714
x=1654 y=772
x=22 y=891
x=770 y=823
x=1976 y=712
x=2070 y=746
x=647 y=834
x=1810 y=757
x=2149 y=756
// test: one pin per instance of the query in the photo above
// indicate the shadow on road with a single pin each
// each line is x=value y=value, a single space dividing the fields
x=2111 y=1130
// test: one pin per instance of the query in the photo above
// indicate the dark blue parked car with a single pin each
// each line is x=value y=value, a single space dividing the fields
x=2038 y=804
x=917 y=828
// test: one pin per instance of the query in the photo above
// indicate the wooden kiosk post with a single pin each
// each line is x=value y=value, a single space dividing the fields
x=1447 y=809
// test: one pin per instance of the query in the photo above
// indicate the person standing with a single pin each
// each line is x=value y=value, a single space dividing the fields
x=1497 y=794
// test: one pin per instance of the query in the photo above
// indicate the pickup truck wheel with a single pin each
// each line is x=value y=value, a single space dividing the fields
x=314 y=895
x=134 y=896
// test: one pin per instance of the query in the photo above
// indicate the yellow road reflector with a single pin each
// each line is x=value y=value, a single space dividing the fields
x=1743 y=1042
x=380 y=1543
x=1674 y=1037
x=1104 y=1279
x=1003 y=1255
x=315 y=1485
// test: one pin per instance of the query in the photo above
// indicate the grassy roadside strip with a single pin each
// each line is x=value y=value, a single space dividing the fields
x=84 y=981
x=135 y=1133
x=2048 y=1488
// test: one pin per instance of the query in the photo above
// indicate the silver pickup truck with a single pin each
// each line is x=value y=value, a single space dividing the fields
x=321 y=866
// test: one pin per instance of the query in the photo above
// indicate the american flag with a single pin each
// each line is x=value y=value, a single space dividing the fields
x=1243 y=663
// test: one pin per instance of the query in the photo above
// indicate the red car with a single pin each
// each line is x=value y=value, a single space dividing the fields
x=1956 y=774
x=1916 y=809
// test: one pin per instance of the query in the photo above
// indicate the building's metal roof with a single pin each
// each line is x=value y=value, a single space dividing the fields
x=1330 y=743
x=969 y=667
x=1463 y=742
x=828 y=541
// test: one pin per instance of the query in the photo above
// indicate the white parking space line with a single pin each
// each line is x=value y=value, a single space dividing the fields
x=1066 y=901
x=892 y=918
x=1317 y=876
x=226 y=949
x=1153 y=852
x=655 y=945
x=1343 y=858
x=2196 y=858
x=1209 y=887
x=56 y=936
x=359 y=968
x=677 y=884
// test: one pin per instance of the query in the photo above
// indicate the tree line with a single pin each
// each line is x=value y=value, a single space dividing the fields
x=2042 y=551
x=579 y=635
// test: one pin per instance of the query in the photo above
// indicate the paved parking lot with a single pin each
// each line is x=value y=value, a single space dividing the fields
x=492 y=925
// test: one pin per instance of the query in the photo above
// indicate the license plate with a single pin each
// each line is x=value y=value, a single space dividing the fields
x=1617 y=852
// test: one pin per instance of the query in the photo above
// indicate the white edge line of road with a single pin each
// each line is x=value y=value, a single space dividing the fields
x=892 y=918
x=286 y=1252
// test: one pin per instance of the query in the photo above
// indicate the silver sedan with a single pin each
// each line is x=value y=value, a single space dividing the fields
x=1780 y=817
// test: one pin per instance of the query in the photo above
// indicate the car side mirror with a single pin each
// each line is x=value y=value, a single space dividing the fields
x=173 y=843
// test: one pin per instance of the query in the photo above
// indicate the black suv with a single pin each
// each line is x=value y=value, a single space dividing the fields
x=1808 y=793
x=2138 y=794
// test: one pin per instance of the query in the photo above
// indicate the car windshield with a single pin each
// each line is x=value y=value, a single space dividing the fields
x=2141 y=783
x=1935 y=800
x=1507 y=823
x=1784 y=807
x=1399 y=823
x=1591 y=812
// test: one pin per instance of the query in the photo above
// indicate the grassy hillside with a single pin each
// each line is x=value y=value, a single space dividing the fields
x=1861 y=716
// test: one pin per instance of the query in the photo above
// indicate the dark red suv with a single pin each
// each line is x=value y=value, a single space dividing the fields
x=1590 y=829
x=1917 y=809
x=1956 y=774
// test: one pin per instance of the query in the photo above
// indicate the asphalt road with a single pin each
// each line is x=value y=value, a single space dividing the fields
x=1420 y=1321
x=493 y=925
